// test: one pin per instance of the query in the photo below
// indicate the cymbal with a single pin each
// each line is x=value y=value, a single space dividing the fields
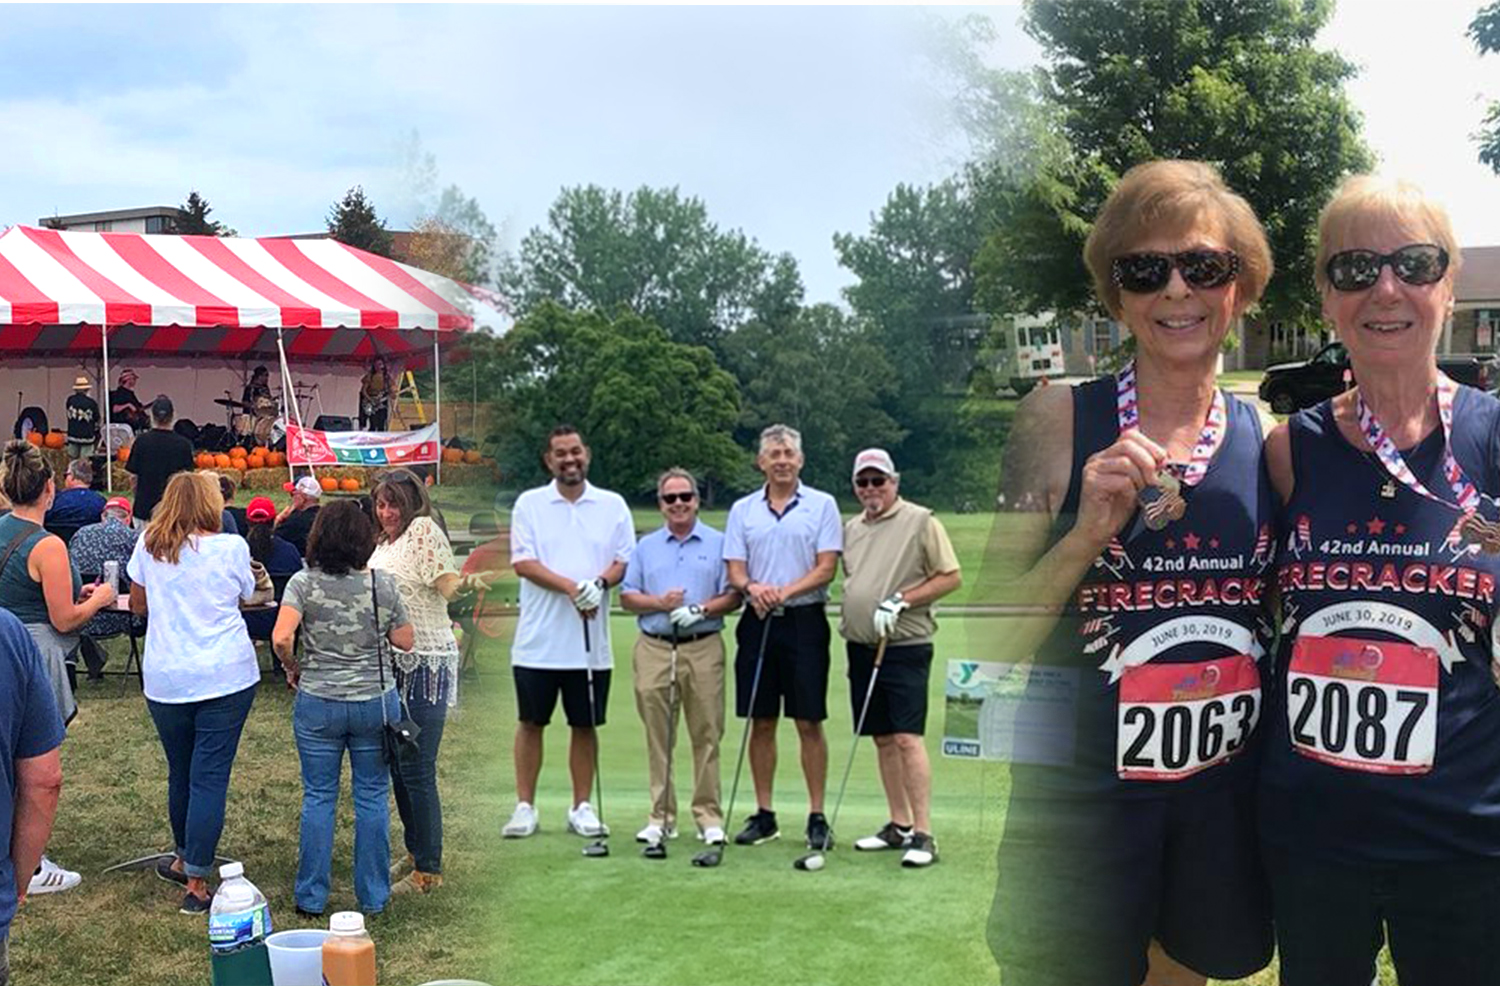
x=227 y=402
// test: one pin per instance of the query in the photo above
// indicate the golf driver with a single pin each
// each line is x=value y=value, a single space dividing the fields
x=600 y=846
x=815 y=860
x=714 y=855
x=658 y=849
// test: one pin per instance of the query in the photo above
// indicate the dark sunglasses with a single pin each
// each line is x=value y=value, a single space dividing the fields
x=1142 y=273
x=1416 y=263
x=671 y=498
x=875 y=481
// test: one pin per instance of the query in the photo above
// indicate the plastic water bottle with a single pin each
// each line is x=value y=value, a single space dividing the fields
x=238 y=922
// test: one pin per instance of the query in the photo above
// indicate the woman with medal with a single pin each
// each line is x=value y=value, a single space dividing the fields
x=1380 y=791
x=1142 y=519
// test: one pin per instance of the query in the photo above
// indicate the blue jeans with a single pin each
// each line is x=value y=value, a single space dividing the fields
x=325 y=729
x=414 y=776
x=200 y=740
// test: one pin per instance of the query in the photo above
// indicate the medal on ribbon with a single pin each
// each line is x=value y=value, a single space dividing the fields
x=1163 y=501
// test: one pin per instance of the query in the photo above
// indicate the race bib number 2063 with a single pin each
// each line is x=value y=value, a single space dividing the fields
x=1366 y=705
x=1177 y=719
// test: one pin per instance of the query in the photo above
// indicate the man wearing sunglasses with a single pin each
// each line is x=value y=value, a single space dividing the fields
x=782 y=545
x=677 y=583
x=898 y=561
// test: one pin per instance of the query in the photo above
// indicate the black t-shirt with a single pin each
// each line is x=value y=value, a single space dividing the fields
x=296 y=527
x=123 y=400
x=83 y=418
x=156 y=457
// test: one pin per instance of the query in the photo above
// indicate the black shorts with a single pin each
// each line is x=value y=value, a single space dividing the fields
x=899 y=702
x=537 y=690
x=1332 y=917
x=1084 y=886
x=795 y=668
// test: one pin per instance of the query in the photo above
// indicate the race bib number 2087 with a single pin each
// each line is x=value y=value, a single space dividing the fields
x=1366 y=705
x=1178 y=719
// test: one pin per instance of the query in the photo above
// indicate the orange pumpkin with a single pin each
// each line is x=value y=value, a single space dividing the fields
x=453 y=455
x=329 y=484
x=221 y=460
x=349 y=485
x=205 y=460
x=238 y=452
x=276 y=460
x=472 y=457
x=240 y=464
x=124 y=454
x=257 y=460
x=260 y=450
x=35 y=438
x=54 y=439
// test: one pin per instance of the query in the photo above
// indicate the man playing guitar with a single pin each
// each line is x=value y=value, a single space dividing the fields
x=124 y=406
x=376 y=391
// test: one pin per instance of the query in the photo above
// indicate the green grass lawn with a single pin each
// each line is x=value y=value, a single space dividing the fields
x=124 y=928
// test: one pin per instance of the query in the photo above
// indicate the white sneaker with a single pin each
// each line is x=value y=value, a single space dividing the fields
x=583 y=821
x=653 y=834
x=713 y=836
x=51 y=879
x=522 y=823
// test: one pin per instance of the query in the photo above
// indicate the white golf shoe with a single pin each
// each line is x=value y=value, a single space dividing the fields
x=522 y=822
x=583 y=821
x=653 y=834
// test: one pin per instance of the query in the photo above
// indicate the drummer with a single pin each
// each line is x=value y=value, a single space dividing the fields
x=258 y=388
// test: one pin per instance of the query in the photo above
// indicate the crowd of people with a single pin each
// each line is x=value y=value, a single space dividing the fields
x=572 y=542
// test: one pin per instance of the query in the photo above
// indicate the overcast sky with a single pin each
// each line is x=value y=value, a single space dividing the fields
x=791 y=124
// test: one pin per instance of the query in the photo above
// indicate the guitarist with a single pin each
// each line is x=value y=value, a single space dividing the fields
x=376 y=390
x=124 y=406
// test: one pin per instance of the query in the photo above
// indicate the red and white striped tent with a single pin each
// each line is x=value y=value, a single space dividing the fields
x=309 y=301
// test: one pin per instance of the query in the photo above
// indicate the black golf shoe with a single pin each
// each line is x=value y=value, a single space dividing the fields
x=819 y=835
x=891 y=836
x=921 y=851
x=761 y=827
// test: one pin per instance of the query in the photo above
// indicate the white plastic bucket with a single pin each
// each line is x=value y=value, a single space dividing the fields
x=297 y=957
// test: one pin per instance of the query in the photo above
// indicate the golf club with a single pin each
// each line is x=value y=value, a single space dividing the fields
x=600 y=846
x=815 y=860
x=714 y=855
x=658 y=849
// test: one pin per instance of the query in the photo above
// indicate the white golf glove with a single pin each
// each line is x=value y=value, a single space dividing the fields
x=685 y=616
x=888 y=612
x=588 y=594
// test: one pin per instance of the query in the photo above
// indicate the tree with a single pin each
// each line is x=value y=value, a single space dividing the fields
x=655 y=253
x=1484 y=29
x=353 y=222
x=824 y=373
x=192 y=219
x=1234 y=82
x=642 y=401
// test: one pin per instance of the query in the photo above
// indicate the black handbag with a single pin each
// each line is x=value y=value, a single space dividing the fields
x=400 y=737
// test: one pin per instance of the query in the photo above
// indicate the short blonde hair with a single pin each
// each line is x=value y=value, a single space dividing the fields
x=1167 y=197
x=1362 y=202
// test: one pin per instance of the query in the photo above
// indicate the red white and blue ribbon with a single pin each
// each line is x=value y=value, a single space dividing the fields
x=1129 y=414
x=1465 y=494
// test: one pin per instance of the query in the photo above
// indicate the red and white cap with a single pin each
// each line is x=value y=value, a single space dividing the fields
x=307 y=486
x=873 y=458
x=118 y=503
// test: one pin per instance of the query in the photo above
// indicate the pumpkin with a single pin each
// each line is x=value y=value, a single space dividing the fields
x=238 y=452
x=276 y=459
x=329 y=484
x=260 y=450
x=55 y=439
x=205 y=460
x=257 y=460
x=124 y=454
x=221 y=460
x=240 y=464
x=349 y=485
x=472 y=457
x=453 y=455
x=34 y=438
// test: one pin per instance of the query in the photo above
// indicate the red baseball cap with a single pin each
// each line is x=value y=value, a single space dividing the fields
x=119 y=503
x=260 y=509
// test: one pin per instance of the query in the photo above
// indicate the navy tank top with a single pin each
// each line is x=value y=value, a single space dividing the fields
x=1168 y=629
x=1383 y=729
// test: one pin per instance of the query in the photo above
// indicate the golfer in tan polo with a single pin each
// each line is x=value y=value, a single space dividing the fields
x=677 y=582
x=897 y=562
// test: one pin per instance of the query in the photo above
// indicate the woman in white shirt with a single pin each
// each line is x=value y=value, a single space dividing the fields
x=412 y=548
x=199 y=670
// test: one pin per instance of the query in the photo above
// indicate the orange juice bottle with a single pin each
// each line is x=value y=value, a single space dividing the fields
x=348 y=952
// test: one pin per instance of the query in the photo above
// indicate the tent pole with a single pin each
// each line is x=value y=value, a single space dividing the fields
x=109 y=452
x=287 y=388
x=437 y=415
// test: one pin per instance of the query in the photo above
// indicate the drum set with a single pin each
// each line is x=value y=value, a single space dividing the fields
x=260 y=421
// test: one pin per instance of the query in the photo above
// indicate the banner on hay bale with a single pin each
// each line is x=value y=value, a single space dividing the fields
x=309 y=447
